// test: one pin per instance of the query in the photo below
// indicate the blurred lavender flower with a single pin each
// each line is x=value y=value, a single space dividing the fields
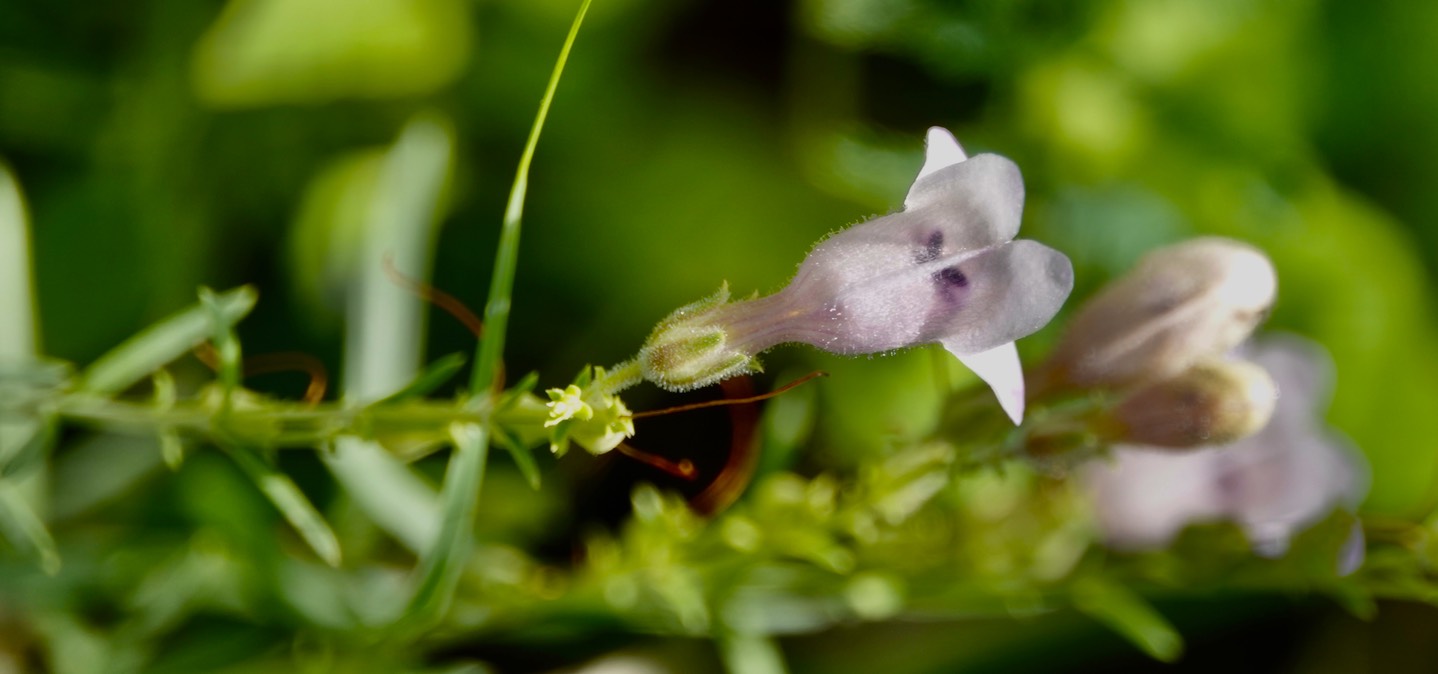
x=1183 y=304
x=1272 y=484
x=945 y=269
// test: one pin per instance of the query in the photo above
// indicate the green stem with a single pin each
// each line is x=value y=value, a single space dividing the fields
x=282 y=424
x=22 y=526
x=620 y=377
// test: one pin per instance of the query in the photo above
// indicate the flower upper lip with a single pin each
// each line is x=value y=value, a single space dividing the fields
x=945 y=269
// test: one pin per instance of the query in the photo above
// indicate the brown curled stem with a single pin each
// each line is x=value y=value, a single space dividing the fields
x=271 y=363
x=733 y=401
x=449 y=303
x=684 y=468
x=743 y=458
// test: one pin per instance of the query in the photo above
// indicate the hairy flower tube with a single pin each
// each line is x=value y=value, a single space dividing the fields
x=943 y=270
x=1183 y=304
x=1272 y=484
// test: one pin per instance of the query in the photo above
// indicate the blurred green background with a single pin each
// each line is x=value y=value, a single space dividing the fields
x=165 y=144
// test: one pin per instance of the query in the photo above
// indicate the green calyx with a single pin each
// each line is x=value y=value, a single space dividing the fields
x=691 y=348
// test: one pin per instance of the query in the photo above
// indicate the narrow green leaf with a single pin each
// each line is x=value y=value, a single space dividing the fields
x=432 y=377
x=72 y=647
x=396 y=498
x=384 y=324
x=384 y=331
x=496 y=310
x=227 y=346
x=1357 y=600
x=751 y=654
x=521 y=454
x=23 y=528
x=17 y=308
x=24 y=444
x=290 y=501
x=513 y=394
x=509 y=440
x=440 y=566
x=1127 y=613
x=25 y=435
x=171 y=449
x=97 y=470
x=137 y=357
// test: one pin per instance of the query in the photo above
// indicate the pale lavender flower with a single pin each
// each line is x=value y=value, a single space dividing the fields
x=1272 y=484
x=943 y=270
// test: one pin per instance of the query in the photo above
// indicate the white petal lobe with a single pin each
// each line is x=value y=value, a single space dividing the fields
x=999 y=368
x=941 y=151
x=978 y=202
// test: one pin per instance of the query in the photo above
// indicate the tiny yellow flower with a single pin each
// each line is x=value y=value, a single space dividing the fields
x=566 y=404
x=612 y=423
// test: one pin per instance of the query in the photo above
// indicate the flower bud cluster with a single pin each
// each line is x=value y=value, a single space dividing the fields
x=1168 y=344
x=1159 y=339
x=1273 y=483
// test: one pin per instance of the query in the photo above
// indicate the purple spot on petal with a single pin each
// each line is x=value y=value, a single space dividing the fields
x=933 y=248
x=951 y=277
x=950 y=285
x=1229 y=484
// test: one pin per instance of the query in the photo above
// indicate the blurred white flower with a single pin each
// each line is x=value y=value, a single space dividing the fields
x=1273 y=484
x=943 y=270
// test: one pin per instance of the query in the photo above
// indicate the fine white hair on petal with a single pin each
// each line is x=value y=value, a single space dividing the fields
x=999 y=367
x=941 y=150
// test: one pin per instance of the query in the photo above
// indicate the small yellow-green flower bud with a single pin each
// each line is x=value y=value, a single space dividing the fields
x=1212 y=403
x=609 y=427
x=567 y=403
x=589 y=413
